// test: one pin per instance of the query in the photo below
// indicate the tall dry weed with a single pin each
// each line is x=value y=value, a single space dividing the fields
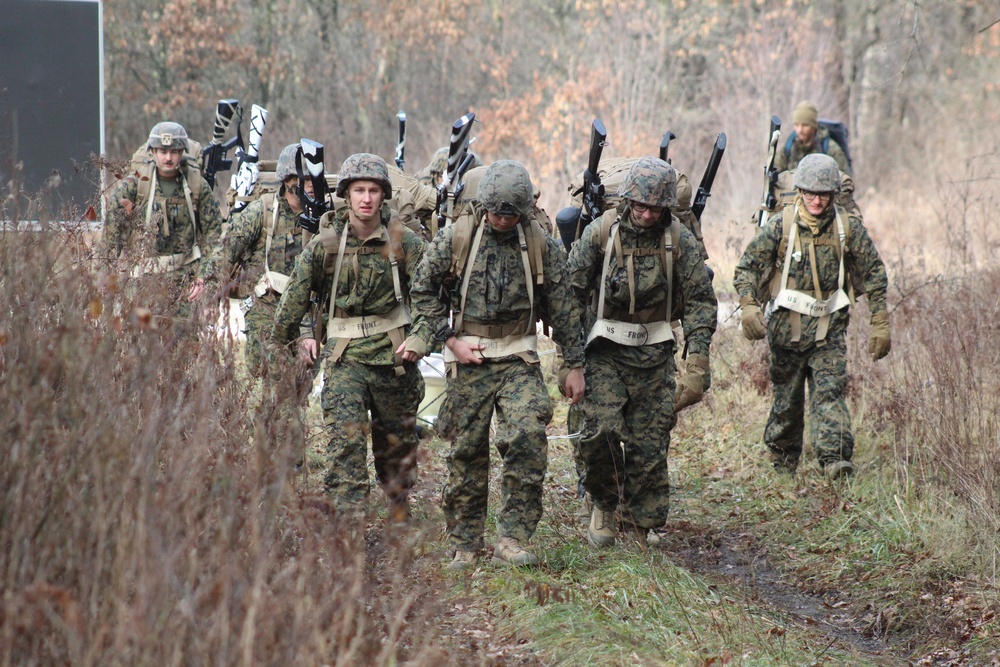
x=138 y=522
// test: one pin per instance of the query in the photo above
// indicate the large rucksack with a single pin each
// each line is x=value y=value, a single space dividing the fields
x=836 y=130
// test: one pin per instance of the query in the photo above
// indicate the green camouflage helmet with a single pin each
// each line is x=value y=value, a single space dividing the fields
x=817 y=172
x=506 y=189
x=168 y=135
x=439 y=161
x=364 y=167
x=286 y=163
x=650 y=181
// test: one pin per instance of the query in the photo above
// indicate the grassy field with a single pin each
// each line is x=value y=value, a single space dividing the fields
x=143 y=520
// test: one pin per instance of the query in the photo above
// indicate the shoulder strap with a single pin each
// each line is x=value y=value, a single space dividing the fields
x=788 y=144
x=461 y=241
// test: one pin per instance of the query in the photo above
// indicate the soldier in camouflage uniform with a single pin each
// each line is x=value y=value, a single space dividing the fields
x=362 y=261
x=180 y=207
x=639 y=268
x=799 y=259
x=809 y=138
x=258 y=252
x=496 y=300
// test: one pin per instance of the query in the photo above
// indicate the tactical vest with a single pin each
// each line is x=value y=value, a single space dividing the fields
x=510 y=338
x=342 y=328
x=649 y=325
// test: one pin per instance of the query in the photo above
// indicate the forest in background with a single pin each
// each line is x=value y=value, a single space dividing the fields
x=915 y=80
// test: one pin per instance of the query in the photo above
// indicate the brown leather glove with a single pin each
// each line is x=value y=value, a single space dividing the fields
x=691 y=385
x=880 y=340
x=752 y=319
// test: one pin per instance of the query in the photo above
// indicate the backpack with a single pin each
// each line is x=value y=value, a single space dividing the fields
x=835 y=130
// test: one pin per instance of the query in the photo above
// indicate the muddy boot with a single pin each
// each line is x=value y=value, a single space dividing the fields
x=463 y=560
x=509 y=550
x=601 y=531
x=838 y=470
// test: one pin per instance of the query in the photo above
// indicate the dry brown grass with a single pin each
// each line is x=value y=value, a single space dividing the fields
x=138 y=522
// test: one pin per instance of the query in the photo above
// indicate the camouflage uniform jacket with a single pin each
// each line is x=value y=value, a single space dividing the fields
x=692 y=288
x=175 y=235
x=783 y=161
x=245 y=242
x=497 y=293
x=861 y=260
x=365 y=286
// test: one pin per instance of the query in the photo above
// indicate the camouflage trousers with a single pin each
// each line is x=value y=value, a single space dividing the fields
x=628 y=413
x=824 y=370
x=351 y=391
x=259 y=324
x=516 y=391
x=284 y=386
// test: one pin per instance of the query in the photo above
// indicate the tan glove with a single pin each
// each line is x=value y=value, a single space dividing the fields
x=754 y=327
x=416 y=344
x=880 y=341
x=692 y=383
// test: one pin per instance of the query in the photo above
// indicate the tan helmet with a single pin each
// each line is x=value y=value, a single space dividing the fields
x=817 y=172
x=168 y=135
x=286 y=163
x=650 y=181
x=364 y=167
x=506 y=189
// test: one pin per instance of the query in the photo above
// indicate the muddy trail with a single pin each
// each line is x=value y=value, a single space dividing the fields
x=738 y=560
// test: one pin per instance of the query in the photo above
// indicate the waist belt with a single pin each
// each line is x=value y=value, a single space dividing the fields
x=271 y=280
x=165 y=263
x=633 y=334
x=521 y=327
x=498 y=348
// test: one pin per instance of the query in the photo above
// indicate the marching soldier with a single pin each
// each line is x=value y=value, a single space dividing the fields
x=500 y=272
x=802 y=260
x=362 y=262
x=638 y=268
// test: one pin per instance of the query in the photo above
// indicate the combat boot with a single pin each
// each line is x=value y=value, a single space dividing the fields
x=586 y=507
x=601 y=531
x=399 y=510
x=463 y=560
x=838 y=469
x=509 y=550
x=785 y=463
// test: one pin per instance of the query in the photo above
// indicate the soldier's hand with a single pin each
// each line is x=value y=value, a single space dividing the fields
x=307 y=351
x=128 y=205
x=197 y=287
x=880 y=340
x=691 y=385
x=412 y=349
x=465 y=353
x=572 y=385
x=752 y=319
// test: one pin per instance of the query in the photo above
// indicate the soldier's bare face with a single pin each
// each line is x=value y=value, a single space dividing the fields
x=168 y=161
x=502 y=223
x=646 y=216
x=805 y=133
x=365 y=199
x=817 y=202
